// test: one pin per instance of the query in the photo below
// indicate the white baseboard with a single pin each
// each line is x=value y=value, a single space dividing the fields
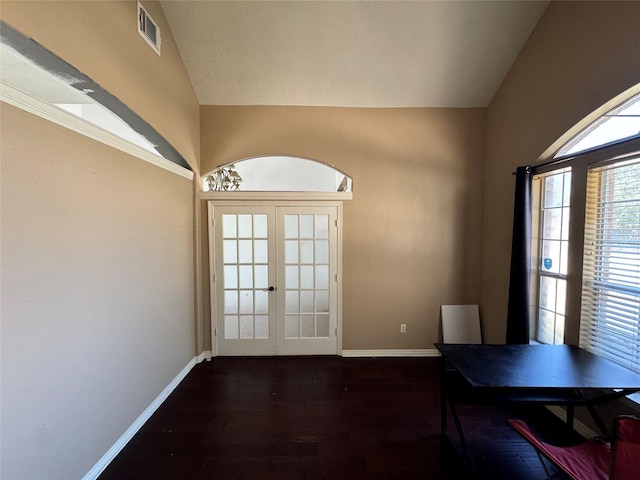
x=108 y=457
x=578 y=426
x=206 y=355
x=416 y=352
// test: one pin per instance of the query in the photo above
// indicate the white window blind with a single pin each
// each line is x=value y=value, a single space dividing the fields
x=610 y=320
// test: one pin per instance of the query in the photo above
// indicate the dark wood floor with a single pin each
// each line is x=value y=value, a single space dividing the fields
x=320 y=418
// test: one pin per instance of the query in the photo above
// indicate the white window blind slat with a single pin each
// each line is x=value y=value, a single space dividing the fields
x=610 y=320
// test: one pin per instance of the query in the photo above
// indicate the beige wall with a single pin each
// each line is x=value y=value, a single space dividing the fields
x=412 y=231
x=97 y=277
x=581 y=55
x=100 y=39
x=97 y=294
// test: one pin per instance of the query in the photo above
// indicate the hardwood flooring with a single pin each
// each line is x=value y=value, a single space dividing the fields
x=295 y=418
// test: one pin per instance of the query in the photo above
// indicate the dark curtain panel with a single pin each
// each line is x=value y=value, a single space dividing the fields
x=518 y=311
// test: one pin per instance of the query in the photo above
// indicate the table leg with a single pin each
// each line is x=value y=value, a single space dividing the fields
x=445 y=399
x=443 y=413
x=570 y=416
x=443 y=396
x=596 y=418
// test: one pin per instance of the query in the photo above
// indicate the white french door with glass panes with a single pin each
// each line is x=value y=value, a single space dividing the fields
x=275 y=279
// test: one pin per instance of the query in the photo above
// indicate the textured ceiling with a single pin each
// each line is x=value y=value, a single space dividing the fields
x=350 y=53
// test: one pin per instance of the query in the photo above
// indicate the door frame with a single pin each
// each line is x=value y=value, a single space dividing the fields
x=290 y=200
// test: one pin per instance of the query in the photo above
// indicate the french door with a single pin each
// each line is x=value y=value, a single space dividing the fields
x=275 y=279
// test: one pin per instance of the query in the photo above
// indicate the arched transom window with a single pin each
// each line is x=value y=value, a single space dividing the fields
x=277 y=173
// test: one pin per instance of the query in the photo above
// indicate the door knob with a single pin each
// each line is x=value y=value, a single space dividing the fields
x=270 y=289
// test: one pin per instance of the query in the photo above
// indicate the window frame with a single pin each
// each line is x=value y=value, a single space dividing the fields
x=538 y=274
x=579 y=164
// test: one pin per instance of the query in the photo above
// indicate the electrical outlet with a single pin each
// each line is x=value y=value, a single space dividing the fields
x=403 y=328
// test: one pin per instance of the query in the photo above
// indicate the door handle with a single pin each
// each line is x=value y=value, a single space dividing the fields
x=270 y=289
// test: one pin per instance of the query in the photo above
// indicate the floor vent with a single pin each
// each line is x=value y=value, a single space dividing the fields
x=148 y=29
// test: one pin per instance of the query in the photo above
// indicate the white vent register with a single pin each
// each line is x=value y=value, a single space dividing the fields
x=148 y=28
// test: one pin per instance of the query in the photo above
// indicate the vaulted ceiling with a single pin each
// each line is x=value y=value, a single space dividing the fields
x=350 y=53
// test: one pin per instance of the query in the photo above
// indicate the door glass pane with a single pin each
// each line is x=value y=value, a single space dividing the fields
x=246 y=301
x=291 y=251
x=291 y=276
x=322 y=276
x=322 y=326
x=245 y=254
x=230 y=276
x=306 y=276
x=261 y=279
x=260 y=226
x=246 y=326
x=262 y=302
x=306 y=302
x=307 y=326
x=231 y=301
x=292 y=304
x=244 y=226
x=260 y=252
x=306 y=226
x=231 y=326
x=322 y=226
x=322 y=301
x=229 y=226
x=322 y=251
x=230 y=251
x=306 y=251
x=262 y=326
x=292 y=326
x=246 y=276
x=291 y=226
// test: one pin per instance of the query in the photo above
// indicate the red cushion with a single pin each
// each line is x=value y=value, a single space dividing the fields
x=627 y=449
x=588 y=460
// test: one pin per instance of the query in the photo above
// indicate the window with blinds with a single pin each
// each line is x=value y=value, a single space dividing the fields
x=610 y=320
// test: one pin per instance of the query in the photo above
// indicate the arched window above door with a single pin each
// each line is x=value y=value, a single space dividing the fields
x=278 y=173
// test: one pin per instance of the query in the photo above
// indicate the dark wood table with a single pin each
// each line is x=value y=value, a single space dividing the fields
x=543 y=374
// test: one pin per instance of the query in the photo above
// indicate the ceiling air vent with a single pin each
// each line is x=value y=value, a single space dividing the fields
x=148 y=29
